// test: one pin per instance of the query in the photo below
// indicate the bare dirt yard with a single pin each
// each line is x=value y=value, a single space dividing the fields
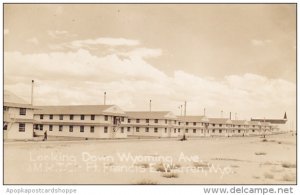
x=233 y=160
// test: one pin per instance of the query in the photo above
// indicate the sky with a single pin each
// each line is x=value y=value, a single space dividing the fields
x=238 y=58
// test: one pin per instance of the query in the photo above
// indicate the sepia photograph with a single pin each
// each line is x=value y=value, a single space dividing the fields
x=149 y=94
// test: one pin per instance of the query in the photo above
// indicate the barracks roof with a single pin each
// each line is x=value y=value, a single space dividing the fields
x=12 y=100
x=219 y=120
x=193 y=118
x=80 y=109
x=151 y=115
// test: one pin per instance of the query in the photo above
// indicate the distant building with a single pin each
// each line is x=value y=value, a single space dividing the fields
x=266 y=128
x=152 y=124
x=239 y=128
x=254 y=128
x=278 y=125
x=219 y=126
x=193 y=126
x=86 y=121
x=18 y=118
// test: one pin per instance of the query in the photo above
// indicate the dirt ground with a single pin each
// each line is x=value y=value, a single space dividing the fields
x=233 y=160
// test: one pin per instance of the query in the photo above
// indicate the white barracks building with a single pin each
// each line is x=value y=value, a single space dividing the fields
x=193 y=126
x=17 y=118
x=152 y=124
x=86 y=121
x=23 y=121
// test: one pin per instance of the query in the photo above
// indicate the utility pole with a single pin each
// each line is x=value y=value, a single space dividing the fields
x=184 y=108
x=150 y=105
x=104 y=101
x=32 y=88
x=265 y=127
x=180 y=108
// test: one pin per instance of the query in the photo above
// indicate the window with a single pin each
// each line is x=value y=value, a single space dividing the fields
x=21 y=127
x=81 y=129
x=186 y=130
x=41 y=127
x=220 y=125
x=175 y=122
x=213 y=125
x=137 y=129
x=155 y=130
x=239 y=131
x=213 y=131
x=155 y=120
x=201 y=130
x=239 y=125
x=174 y=130
x=194 y=130
x=50 y=116
x=166 y=121
x=220 y=130
x=105 y=129
x=22 y=111
x=92 y=129
x=82 y=117
x=61 y=117
x=122 y=129
x=253 y=130
x=233 y=131
x=147 y=120
x=4 y=126
x=50 y=127
x=41 y=116
x=147 y=129
x=253 y=125
x=106 y=118
x=71 y=117
x=128 y=120
x=165 y=130
x=70 y=128
x=92 y=117
x=60 y=128
x=137 y=120
x=187 y=123
x=178 y=130
x=194 y=123
x=122 y=119
x=128 y=129
x=233 y=125
x=178 y=123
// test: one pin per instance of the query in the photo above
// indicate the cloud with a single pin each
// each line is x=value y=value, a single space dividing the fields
x=79 y=77
x=257 y=42
x=80 y=64
x=92 y=44
x=6 y=31
x=104 y=41
x=143 y=53
x=60 y=34
x=33 y=40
